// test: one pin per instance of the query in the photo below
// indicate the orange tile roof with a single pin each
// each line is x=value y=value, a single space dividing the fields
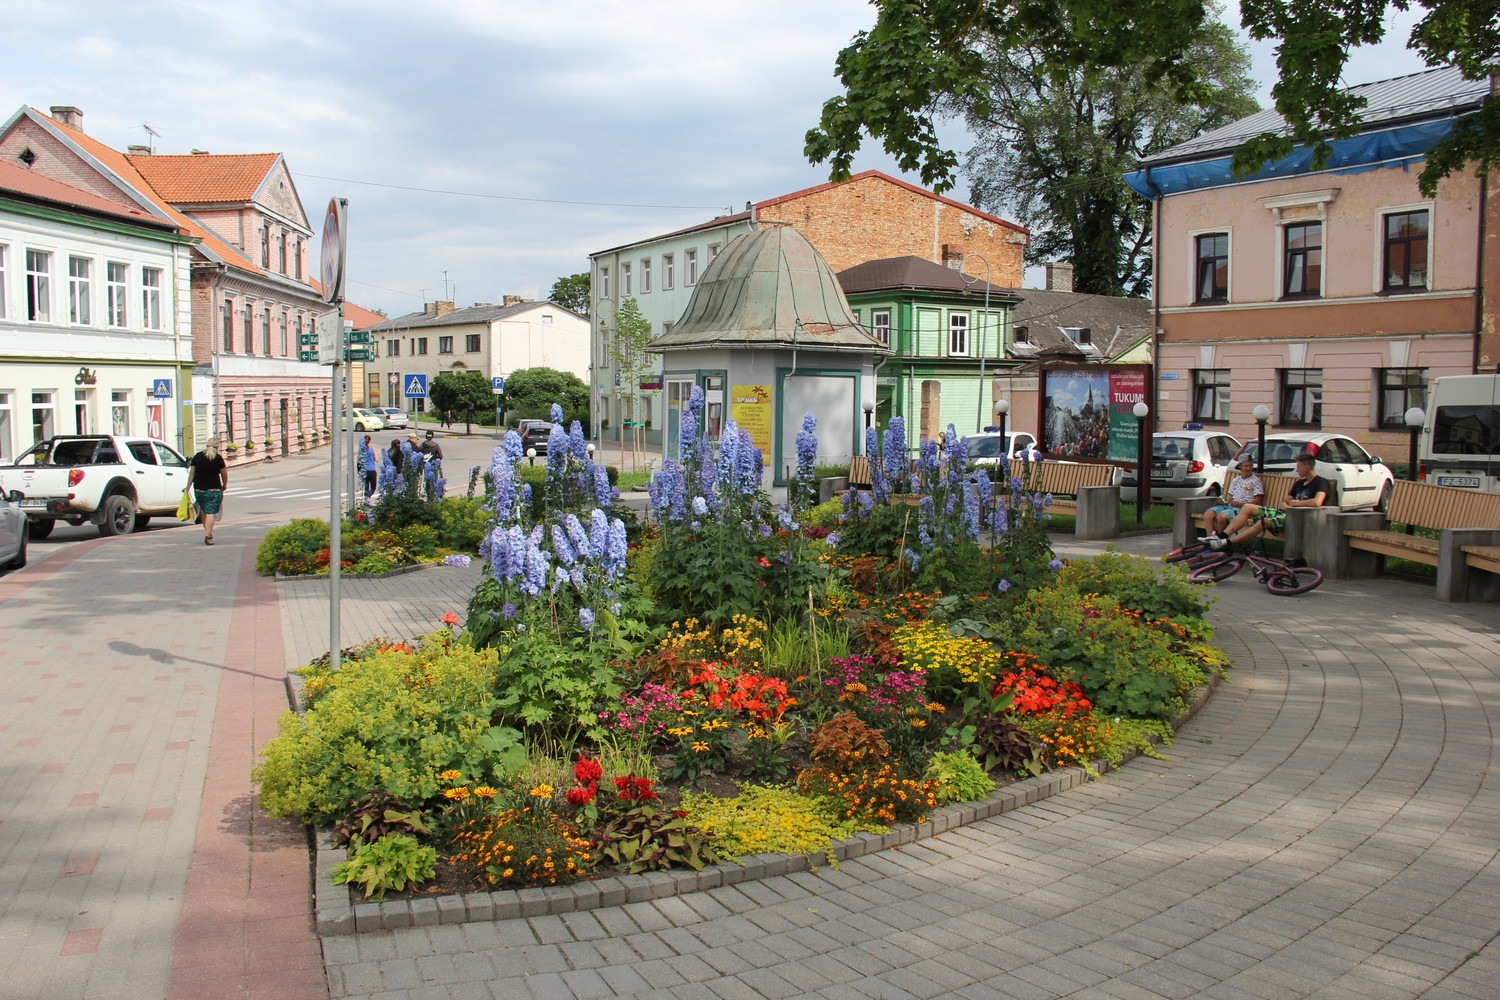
x=201 y=177
x=360 y=316
x=16 y=178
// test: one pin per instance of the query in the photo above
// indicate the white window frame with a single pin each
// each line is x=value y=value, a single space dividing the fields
x=604 y=282
x=689 y=263
x=880 y=325
x=668 y=267
x=445 y=345
x=151 y=297
x=7 y=440
x=713 y=251
x=645 y=275
x=473 y=339
x=116 y=287
x=4 y=260
x=38 y=286
x=49 y=422
x=958 y=335
x=625 y=280
x=80 y=291
x=1191 y=298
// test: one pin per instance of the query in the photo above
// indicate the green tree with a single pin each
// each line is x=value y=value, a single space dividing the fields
x=627 y=351
x=573 y=292
x=530 y=392
x=471 y=395
x=921 y=54
x=1053 y=150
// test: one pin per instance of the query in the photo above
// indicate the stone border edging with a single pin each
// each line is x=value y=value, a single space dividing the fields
x=336 y=913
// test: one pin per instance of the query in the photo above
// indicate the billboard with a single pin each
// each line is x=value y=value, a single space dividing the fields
x=1087 y=413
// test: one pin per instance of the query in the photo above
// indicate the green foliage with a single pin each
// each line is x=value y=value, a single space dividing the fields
x=394 y=721
x=373 y=563
x=573 y=292
x=292 y=548
x=823 y=515
x=386 y=864
x=379 y=814
x=764 y=820
x=530 y=393
x=553 y=686
x=1004 y=744
x=469 y=394
x=1143 y=585
x=958 y=777
x=461 y=523
x=649 y=839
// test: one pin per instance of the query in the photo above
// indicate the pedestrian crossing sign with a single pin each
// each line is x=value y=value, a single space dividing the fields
x=161 y=388
x=416 y=387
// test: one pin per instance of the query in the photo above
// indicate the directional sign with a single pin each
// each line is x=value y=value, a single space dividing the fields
x=498 y=383
x=359 y=336
x=415 y=386
x=311 y=355
x=357 y=354
x=307 y=340
x=161 y=388
x=330 y=331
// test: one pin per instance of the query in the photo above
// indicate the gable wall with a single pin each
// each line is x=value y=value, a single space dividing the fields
x=56 y=161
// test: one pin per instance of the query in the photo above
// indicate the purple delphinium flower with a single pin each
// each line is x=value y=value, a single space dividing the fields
x=914 y=558
x=1055 y=564
x=604 y=494
x=832 y=539
x=1003 y=586
x=893 y=459
x=576 y=444
x=555 y=414
x=586 y=619
x=456 y=560
x=507 y=610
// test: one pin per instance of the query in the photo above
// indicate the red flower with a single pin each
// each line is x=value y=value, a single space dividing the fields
x=580 y=797
x=763 y=561
x=449 y=618
x=588 y=770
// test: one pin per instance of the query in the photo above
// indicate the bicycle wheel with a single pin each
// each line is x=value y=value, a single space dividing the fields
x=1216 y=571
x=1298 y=580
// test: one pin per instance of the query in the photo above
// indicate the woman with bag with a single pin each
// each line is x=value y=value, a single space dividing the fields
x=210 y=480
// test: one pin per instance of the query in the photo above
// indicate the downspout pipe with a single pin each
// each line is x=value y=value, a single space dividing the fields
x=1154 y=390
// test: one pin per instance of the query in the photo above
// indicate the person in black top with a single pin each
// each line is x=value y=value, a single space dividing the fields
x=1310 y=490
x=395 y=453
x=431 y=448
x=210 y=480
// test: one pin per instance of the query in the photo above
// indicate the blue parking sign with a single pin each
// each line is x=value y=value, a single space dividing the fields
x=497 y=383
x=416 y=386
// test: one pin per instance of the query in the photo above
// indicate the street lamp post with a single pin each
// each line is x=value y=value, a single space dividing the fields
x=1262 y=413
x=1415 y=417
x=1002 y=407
x=1143 y=461
x=869 y=407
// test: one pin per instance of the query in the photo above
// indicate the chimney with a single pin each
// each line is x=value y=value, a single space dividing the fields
x=953 y=257
x=442 y=308
x=138 y=150
x=67 y=115
x=1059 y=277
x=511 y=300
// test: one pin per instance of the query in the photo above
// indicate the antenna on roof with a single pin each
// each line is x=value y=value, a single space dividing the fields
x=152 y=133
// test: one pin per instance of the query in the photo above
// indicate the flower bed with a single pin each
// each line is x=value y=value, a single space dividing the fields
x=746 y=679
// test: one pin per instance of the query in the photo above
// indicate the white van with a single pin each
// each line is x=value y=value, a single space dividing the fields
x=1461 y=436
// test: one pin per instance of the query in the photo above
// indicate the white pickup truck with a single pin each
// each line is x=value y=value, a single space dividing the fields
x=117 y=483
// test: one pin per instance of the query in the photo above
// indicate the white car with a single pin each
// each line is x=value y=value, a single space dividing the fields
x=394 y=416
x=365 y=420
x=1185 y=465
x=985 y=448
x=13 y=533
x=1359 y=479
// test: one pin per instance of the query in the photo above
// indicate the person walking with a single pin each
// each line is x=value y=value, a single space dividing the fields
x=431 y=448
x=395 y=453
x=210 y=478
x=368 y=466
x=447 y=419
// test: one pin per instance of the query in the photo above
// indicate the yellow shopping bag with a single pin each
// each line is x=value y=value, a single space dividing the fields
x=185 y=509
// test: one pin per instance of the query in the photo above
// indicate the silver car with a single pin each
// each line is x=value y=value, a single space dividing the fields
x=393 y=416
x=13 y=533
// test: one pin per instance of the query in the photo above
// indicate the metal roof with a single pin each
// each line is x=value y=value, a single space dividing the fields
x=461 y=317
x=914 y=273
x=1433 y=93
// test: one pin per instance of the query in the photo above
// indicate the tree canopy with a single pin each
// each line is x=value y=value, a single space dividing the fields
x=572 y=292
x=921 y=54
x=530 y=392
x=1053 y=150
x=468 y=394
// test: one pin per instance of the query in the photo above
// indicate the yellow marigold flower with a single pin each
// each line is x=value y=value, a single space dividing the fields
x=457 y=794
x=933 y=706
x=484 y=792
x=542 y=791
x=451 y=775
x=918 y=723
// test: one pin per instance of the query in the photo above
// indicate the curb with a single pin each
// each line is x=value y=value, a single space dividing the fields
x=336 y=913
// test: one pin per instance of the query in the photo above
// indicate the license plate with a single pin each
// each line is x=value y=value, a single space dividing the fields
x=1471 y=482
x=33 y=503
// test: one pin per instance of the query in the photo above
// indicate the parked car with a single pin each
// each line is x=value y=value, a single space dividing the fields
x=1461 y=437
x=535 y=434
x=1359 y=479
x=115 y=483
x=985 y=448
x=365 y=420
x=393 y=416
x=13 y=533
x=1185 y=465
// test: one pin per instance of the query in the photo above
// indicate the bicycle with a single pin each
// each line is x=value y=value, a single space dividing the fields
x=1281 y=578
x=1196 y=554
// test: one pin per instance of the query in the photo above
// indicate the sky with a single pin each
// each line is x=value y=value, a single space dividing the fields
x=486 y=146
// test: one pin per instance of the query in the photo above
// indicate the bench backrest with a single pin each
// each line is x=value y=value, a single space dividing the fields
x=859 y=471
x=1278 y=488
x=1428 y=506
x=1067 y=478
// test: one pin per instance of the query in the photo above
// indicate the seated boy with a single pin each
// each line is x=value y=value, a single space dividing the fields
x=1310 y=490
x=1246 y=487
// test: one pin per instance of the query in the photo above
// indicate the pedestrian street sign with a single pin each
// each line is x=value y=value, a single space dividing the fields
x=357 y=353
x=161 y=388
x=416 y=387
x=359 y=336
x=308 y=355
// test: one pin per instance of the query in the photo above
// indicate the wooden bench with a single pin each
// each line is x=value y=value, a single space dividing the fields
x=1278 y=488
x=1467 y=521
x=859 y=472
x=1064 y=480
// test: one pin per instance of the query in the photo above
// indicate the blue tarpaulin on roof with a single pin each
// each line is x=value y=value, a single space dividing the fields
x=1386 y=148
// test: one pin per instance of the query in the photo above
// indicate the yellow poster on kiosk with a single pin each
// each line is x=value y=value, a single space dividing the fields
x=750 y=408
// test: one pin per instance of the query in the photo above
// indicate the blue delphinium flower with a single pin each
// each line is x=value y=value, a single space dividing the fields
x=784 y=518
x=832 y=539
x=456 y=560
x=1003 y=586
x=507 y=610
x=1055 y=564
x=577 y=537
x=970 y=519
x=913 y=558
x=555 y=413
x=893 y=460
x=604 y=494
x=764 y=530
x=586 y=619
x=561 y=547
x=700 y=506
x=576 y=444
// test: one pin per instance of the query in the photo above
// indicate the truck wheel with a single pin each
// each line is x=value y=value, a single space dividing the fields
x=141 y=520
x=119 y=517
x=19 y=562
x=40 y=528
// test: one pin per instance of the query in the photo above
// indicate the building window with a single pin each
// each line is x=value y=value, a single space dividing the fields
x=1399 y=390
x=421 y=346
x=283 y=334
x=1406 y=252
x=668 y=267
x=393 y=348
x=625 y=280
x=1301 y=397
x=116 y=277
x=880 y=325
x=445 y=345
x=547 y=319
x=690 y=264
x=471 y=343
x=713 y=251
x=79 y=269
x=151 y=297
x=645 y=275
x=39 y=287
x=604 y=282
x=297 y=260
x=1023 y=334
x=119 y=412
x=265 y=340
x=282 y=252
x=1213 y=268
x=1303 y=269
x=249 y=329
x=265 y=247
x=1079 y=335
x=958 y=334
x=1211 y=395
x=228 y=326
x=3 y=285
x=41 y=416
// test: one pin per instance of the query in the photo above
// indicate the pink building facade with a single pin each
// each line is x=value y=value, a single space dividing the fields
x=1333 y=297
